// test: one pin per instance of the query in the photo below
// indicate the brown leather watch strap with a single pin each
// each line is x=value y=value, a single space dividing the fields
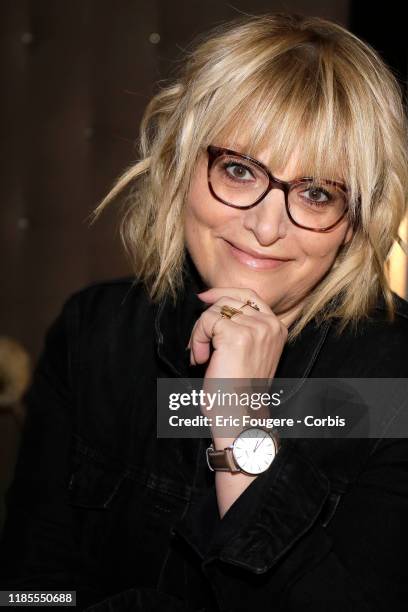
x=221 y=460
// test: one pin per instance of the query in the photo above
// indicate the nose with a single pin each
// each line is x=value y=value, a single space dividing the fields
x=268 y=219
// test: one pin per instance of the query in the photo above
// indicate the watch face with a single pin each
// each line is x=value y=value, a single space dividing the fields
x=254 y=450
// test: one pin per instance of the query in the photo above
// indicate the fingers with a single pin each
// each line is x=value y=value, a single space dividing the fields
x=201 y=335
x=242 y=295
x=212 y=328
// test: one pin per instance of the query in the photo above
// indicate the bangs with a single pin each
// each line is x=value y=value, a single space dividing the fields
x=291 y=117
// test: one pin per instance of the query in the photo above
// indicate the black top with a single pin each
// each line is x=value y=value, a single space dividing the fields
x=102 y=506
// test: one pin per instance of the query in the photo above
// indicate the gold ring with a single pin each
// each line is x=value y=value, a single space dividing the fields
x=252 y=304
x=229 y=311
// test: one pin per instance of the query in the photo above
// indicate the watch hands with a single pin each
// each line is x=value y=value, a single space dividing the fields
x=259 y=443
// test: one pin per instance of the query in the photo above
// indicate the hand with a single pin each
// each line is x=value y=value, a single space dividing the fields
x=249 y=345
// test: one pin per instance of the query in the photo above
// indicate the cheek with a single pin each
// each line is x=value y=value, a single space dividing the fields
x=321 y=248
x=196 y=215
x=202 y=213
x=197 y=226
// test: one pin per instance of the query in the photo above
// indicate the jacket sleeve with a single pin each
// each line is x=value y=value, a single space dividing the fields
x=273 y=545
x=36 y=548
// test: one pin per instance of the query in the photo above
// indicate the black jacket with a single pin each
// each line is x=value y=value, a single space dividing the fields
x=130 y=521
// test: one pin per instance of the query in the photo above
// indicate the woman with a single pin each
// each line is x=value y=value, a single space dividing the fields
x=273 y=176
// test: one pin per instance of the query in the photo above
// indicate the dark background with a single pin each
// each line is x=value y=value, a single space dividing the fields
x=76 y=76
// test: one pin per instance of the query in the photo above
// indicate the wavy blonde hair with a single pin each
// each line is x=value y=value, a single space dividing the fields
x=284 y=81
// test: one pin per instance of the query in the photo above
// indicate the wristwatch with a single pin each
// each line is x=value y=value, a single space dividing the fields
x=252 y=452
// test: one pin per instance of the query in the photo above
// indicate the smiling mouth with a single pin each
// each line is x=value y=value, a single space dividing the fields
x=252 y=260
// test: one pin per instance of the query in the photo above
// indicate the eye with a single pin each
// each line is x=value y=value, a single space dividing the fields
x=238 y=171
x=318 y=195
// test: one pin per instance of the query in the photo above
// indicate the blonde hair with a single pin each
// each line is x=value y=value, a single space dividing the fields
x=285 y=81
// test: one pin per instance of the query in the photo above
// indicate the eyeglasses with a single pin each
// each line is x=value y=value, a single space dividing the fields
x=240 y=181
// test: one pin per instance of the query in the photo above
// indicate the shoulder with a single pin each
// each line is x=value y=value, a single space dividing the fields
x=106 y=298
x=401 y=307
x=105 y=326
x=375 y=346
x=378 y=324
x=106 y=292
x=106 y=312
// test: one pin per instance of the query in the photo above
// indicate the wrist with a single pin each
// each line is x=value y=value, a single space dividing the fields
x=220 y=443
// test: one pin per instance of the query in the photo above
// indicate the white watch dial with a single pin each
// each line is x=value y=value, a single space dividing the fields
x=254 y=450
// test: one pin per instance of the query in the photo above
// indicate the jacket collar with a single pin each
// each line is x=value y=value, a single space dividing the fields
x=174 y=323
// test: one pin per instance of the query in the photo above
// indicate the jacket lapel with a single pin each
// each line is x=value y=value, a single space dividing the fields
x=174 y=323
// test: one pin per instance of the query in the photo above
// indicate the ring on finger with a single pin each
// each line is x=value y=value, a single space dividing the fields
x=227 y=312
x=252 y=304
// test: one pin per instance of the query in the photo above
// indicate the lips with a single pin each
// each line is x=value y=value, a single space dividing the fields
x=253 y=259
x=256 y=254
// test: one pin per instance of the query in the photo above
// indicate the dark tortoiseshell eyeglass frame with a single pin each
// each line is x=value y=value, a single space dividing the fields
x=274 y=183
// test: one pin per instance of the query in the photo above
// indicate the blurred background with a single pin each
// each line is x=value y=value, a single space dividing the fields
x=76 y=76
